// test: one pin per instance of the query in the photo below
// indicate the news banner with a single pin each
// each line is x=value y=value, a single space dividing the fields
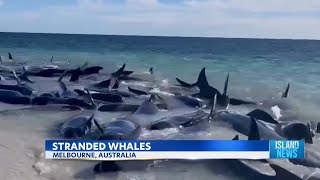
x=173 y=149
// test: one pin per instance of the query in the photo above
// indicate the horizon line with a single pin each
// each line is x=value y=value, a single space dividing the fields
x=163 y=36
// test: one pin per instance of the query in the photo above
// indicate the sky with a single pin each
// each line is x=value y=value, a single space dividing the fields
x=287 y=19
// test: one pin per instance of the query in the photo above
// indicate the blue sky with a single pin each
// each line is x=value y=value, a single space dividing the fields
x=296 y=19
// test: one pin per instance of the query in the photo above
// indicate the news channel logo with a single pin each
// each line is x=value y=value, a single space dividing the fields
x=289 y=149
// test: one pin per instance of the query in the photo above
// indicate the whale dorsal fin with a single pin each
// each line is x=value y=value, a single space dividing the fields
x=262 y=115
x=24 y=76
x=113 y=83
x=213 y=107
x=98 y=126
x=90 y=119
x=62 y=86
x=225 y=89
x=10 y=56
x=51 y=60
x=90 y=98
x=309 y=139
x=224 y=100
x=254 y=130
x=62 y=75
x=2 y=78
x=236 y=137
x=16 y=77
x=286 y=92
x=202 y=79
x=151 y=70
x=119 y=71
x=147 y=106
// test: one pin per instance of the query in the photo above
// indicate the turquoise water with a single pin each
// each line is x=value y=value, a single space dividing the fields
x=259 y=70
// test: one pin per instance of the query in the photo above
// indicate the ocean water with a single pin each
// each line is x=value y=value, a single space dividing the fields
x=259 y=69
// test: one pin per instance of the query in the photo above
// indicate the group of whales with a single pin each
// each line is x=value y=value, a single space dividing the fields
x=154 y=112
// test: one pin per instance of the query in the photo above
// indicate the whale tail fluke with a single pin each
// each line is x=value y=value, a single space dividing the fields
x=254 y=130
x=286 y=92
x=107 y=84
x=113 y=81
x=185 y=84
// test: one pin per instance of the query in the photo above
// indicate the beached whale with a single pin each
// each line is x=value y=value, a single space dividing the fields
x=19 y=87
x=45 y=100
x=187 y=100
x=14 y=97
x=120 y=129
x=181 y=121
x=77 y=127
x=105 y=97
